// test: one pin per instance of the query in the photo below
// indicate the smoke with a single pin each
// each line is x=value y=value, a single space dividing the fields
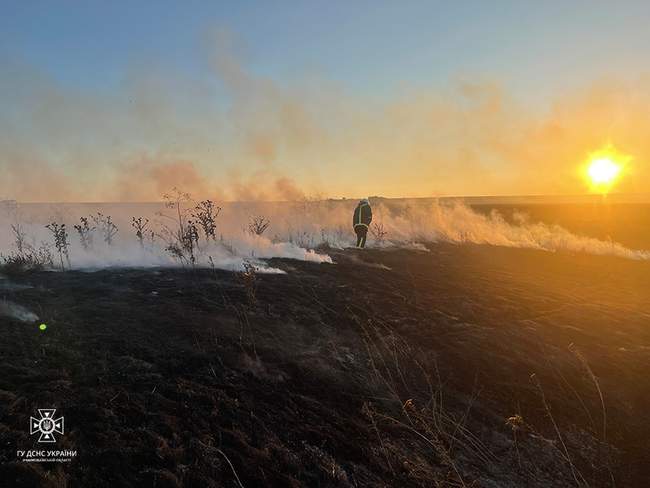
x=155 y=132
x=233 y=246
x=230 y=255
x=15 y=311
x=457 y=223
x=297 y=230
x=147 y=178
x=235 y=135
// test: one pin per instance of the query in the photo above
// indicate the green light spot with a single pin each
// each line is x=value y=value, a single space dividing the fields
x=42 y=326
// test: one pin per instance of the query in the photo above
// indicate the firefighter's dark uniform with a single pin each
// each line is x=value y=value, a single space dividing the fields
x=361 y=220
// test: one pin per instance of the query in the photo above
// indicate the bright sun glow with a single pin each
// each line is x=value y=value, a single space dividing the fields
x=603 y=170
x=604 y=167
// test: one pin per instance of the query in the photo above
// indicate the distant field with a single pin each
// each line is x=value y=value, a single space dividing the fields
x=627 y=223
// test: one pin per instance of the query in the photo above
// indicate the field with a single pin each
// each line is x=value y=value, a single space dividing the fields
x=324 y=244
x=458 y=365
x=627 y=223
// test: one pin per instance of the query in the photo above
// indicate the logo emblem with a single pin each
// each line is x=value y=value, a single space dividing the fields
x=46 y=425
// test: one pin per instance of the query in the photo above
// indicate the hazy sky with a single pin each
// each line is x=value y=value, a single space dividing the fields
x=119 y=100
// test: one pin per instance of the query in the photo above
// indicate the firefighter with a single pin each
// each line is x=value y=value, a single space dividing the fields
x=361 y=220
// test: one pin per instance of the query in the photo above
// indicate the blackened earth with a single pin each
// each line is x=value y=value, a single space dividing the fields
x=459 y=365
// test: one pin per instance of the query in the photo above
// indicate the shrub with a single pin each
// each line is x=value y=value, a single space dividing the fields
x=106 y=226
x=182 y=236
x=28 y=260
x=61 y=243
x=248 y=278
x=190 y=240
x=378 y=232
x=19 y=237
x=257 y=225
x=206 y=213
x=140 y=225
x=85 y=232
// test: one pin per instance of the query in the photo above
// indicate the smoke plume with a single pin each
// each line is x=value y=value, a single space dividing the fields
x=234 y=135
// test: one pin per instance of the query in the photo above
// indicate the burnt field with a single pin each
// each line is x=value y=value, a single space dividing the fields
x=460 y=366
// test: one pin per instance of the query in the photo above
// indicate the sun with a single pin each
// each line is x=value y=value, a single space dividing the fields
x=603 y=171
x=604 y=168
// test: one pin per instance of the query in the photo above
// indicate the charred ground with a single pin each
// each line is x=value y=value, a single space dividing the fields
x=387 y=368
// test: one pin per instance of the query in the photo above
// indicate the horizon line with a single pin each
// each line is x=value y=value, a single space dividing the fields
x=582 y=196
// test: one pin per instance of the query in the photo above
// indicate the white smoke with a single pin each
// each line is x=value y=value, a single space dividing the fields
x=18 y=312
x=296 y=229
x=230 y=255
x=458 y=223
x=234 y=246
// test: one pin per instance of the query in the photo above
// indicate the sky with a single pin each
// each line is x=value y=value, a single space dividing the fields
x=279 y=100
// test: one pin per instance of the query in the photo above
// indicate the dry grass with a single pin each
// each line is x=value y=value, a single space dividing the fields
x=577 y=476
x=416 y=408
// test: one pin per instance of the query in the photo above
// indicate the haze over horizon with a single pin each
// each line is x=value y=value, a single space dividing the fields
x=121 y=102
x=613 y=198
